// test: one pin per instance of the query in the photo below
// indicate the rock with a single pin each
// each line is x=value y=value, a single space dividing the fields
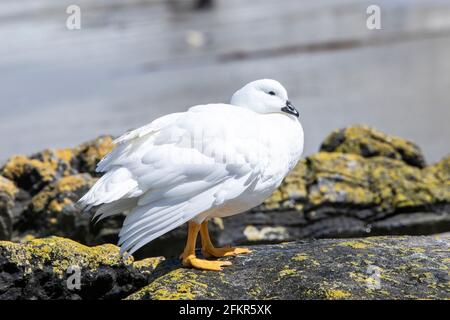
x=369 y=142
x=332 y=194
x=8 y=191
x=53 y=211
x=47 y=269
x=49 y=183
x=90 y=153
x=365 y=268
x=33 y=173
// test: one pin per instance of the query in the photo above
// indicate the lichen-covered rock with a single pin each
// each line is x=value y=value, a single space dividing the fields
x=386 y=184
x=34 y=173
x=48 y=269
x=48 y=184
x=53 y=211
x=367 y=268
x=8 y=191
x=293 y=192
x=369 y=142
x=90 y=153
x=333 y=194
x=64 y=192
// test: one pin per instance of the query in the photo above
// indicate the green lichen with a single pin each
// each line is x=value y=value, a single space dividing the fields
x=8 y=187
x=63 y=192
x=90 y=153
x=335 y=294
x=362 y=167
x=176 y=285
x=333 y=178
x=18 y=166
x=291 y=191
x=369 y=142
x=218 y=222
x=287 y=271
x=59 y=254
x=355 y=244
x=148 y=265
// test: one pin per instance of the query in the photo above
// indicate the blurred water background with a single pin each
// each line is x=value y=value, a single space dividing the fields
x=135 y=60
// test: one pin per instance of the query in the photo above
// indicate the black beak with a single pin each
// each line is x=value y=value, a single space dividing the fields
x=289 y=108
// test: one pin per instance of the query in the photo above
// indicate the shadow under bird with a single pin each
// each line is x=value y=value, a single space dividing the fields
x=214 y=160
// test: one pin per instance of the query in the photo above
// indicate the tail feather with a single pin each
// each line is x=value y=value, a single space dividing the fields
x=114 y=208
x=115 y=185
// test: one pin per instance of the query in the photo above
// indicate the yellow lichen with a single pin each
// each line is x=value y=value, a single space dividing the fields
x=51 y=196
x=65 y=154
x=286 y=271
x=60 y=253
x=57 y=206
x=293 y=187
x=17 y=166
x=417 y=250
x=349 y=178
x=218 y=222
x=337 y=294
x=8 y=187
x=367 y=141
x=354 y=244
x=300 y=257
x=93 y=151
x=149 y=264
x=70 y=183
x=27 y=238
x=178 y=284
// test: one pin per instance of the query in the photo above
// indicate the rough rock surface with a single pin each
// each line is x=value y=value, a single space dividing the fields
x=46 y=187
x=365 y=268
x=42 y=269
x=362 y=183
x=333 y=194
x=8 y=191
x=369 y=142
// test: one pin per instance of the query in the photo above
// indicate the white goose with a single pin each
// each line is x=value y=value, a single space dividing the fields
x=214 y=160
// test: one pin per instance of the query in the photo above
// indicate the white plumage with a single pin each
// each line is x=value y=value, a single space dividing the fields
x=213 y=160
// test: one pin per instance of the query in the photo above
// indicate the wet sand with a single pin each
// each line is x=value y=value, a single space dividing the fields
x=133 y=61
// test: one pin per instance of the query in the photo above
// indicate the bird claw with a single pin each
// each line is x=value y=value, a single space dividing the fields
x=224 y=252
x=192 y=261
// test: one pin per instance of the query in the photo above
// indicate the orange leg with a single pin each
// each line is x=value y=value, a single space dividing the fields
x=188 y=256
x=209 y=250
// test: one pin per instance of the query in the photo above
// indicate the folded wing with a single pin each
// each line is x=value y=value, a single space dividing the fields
x=175 y=168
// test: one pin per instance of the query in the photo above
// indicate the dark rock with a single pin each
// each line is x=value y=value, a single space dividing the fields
x=44 y=269
x=33 y=173
x=88 y=154
x=367 y=268
x=332 y=194
x=48 y=184
x=53 y=211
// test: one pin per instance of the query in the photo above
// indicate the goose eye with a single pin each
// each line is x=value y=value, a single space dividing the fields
x=271 y=93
